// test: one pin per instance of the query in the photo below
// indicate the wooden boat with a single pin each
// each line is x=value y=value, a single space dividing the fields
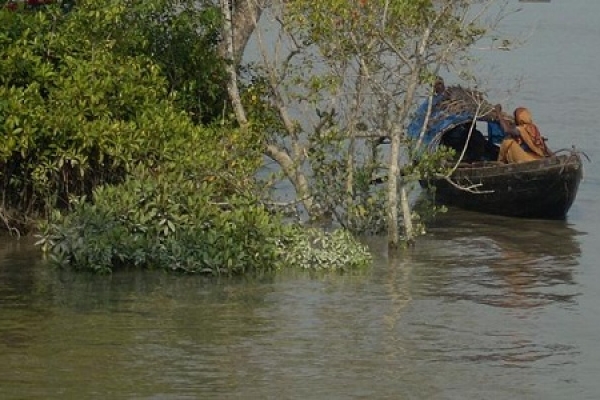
x=538 y=189
x=543 y=189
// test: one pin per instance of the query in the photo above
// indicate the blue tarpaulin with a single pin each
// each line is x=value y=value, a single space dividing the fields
x=441 y=120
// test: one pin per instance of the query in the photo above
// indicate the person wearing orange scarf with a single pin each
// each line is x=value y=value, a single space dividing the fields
x=523 y=142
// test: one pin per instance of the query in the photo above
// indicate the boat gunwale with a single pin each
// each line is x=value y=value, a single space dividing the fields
x=496 y=169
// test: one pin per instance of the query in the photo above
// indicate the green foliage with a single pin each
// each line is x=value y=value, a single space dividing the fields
x=170 y=221
x=177 y=222
x=181 y=36
x=349 y=195
x=362 y=66
x=99 y=112
x=340 y=27
x=427 y=164
x=261 y=114
x=87 y=95
x=316 y=249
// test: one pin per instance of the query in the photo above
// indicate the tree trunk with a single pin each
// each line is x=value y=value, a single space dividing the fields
x=392 y=192
x=228 y=52
x=297 y=178
x=394 y=173
x=243 y=16
x=409 y=232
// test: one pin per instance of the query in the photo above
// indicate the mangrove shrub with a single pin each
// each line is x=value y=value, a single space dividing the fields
x=176 y=222
x=89 y=93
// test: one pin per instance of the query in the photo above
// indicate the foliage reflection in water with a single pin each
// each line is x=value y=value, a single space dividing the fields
x=474 y=302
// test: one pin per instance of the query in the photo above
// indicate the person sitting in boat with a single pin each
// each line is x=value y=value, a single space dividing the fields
x=523 y=142
x=456 y=138
x=439 y=87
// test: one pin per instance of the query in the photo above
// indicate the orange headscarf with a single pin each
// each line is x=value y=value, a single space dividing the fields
x=530 y=133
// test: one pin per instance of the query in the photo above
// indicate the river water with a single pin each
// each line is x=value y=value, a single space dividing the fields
x=482 y=308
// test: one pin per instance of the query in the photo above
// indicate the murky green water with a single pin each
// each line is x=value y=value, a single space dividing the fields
x=482 y=308
x=477 y=310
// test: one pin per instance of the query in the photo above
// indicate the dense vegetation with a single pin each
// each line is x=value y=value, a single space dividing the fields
x=83 y=101
x=173 y=223
x=133 y=130
x=115 y=132
x=342 y=78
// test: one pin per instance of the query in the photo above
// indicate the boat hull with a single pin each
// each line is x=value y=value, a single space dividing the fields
x=539 y=189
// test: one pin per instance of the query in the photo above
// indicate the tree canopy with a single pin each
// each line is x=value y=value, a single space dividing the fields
x=88 y=94
x=343 y=77
x=116 y=135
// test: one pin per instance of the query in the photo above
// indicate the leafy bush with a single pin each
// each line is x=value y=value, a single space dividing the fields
x=101 y=101
x=316 y=249
x=182 y=37
x=170 y=222
x=88 y=94
x=174 y=222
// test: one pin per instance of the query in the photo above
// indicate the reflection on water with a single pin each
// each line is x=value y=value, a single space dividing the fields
x=509 y=262
x=130 y=335
x=482 y=307
x=474 y=302
x=498 y=285
x=487 y=290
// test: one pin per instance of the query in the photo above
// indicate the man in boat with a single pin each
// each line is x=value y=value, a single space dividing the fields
x=439 y=87
x=456 y=138
x=523 y=142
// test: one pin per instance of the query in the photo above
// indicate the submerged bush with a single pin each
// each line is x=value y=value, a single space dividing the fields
x=173 y=223
x=176 y=223
x=316 y=249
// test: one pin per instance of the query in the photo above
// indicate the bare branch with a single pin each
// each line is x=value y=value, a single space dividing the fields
x=471 y=187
